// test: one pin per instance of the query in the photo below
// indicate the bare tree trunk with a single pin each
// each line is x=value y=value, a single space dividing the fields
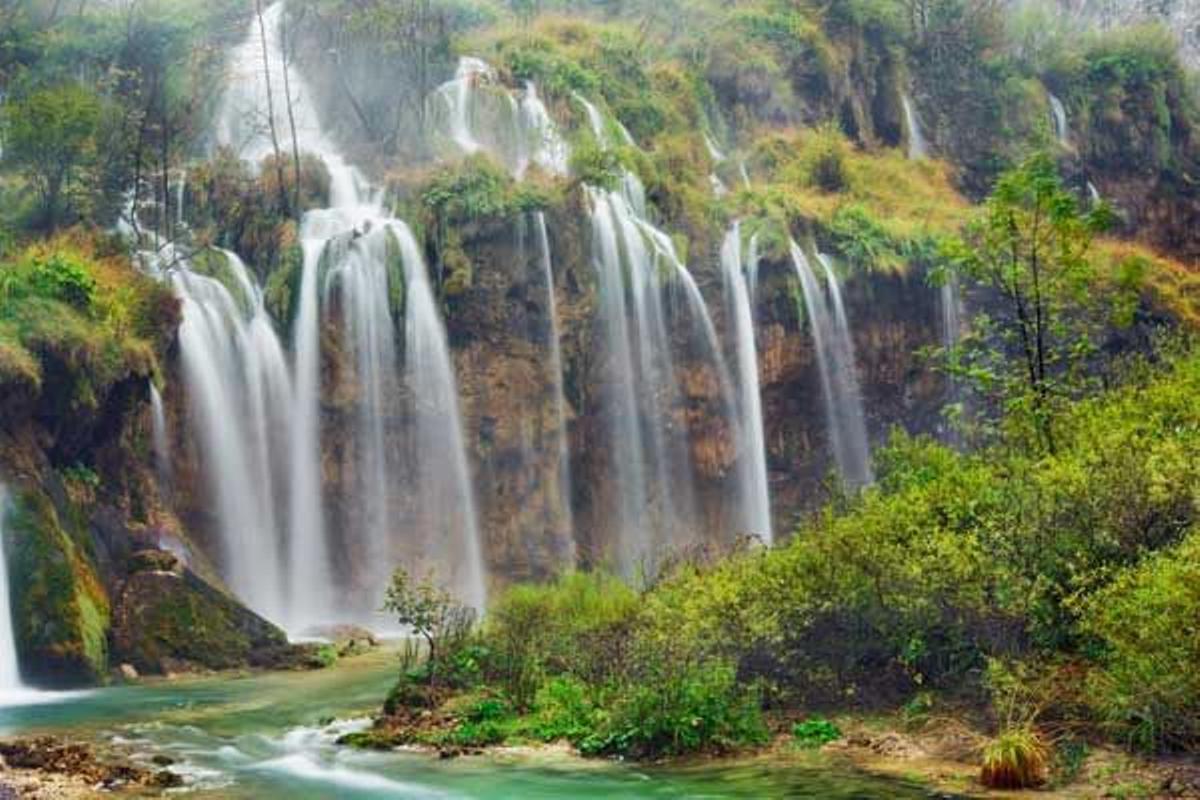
x=262 y=31
x=165 y=156
x=287 y=91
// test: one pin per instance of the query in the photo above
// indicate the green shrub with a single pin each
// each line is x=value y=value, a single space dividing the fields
x=563 y=710
x=815 y=732
x=674 y=709
x=1147 y=691
x=578 y=626
x=59 y=277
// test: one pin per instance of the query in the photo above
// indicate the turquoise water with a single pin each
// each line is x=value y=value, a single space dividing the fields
x=273 y=736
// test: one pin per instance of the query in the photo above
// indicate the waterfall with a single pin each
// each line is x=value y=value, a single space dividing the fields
x=263 y=434
x=158 y=433
x=638 y=268
x=836 y=363
x=917 y=147
x=752 y=458
x=441 y=474
x=1094 y=196
x=548 y=149
x=1058 y=116
x=10 y=670
x=556 y=373
x=241 y=399
x=474 y=113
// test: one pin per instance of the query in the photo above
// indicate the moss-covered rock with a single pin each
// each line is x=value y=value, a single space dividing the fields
x=60 y=608
x=167 y=619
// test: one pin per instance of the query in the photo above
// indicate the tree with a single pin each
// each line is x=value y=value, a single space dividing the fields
x=1030 y=248
x=50 y=134
x=431 y=612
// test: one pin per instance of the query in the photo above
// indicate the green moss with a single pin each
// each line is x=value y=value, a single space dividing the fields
x=61 y=610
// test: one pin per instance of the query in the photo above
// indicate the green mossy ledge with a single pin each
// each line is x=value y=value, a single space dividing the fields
x=61 y=610
x=74 y=627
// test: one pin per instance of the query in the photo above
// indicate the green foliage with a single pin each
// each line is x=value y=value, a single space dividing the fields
x=1147 y=691
x=564 y=710
x=325 y=656
x=815 y=732
x=60 y=278
x=863 y=241
x=680 y=708
x=433 y=614
x=596 y=165
x=578 y=626
x=953 y=558
x=1030 y=246
x=50 y=134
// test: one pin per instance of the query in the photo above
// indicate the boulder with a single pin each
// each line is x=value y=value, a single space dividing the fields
x=167 y=619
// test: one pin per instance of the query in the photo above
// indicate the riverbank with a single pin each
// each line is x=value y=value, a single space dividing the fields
x=941 y=753
x=938 y=758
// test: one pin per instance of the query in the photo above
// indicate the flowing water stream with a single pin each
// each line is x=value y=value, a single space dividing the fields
x=270 y=737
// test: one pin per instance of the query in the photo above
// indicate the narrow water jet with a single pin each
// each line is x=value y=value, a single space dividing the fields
x=918 y=148
x=158 y=434
x=557 y=378
x=830 y=329
x=10 y=669
x=752 y=459
x=446 y=495
x=1058 y=116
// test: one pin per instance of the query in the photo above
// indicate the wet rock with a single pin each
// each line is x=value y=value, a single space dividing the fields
x=52 y=756
x=173 y=621
x=128 y=672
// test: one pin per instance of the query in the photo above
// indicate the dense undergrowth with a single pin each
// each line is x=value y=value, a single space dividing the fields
x=1065 y=580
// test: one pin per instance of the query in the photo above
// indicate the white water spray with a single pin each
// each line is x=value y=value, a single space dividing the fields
x=918 y=148
x=10 y=670
x=830 y=329
x=752 y=459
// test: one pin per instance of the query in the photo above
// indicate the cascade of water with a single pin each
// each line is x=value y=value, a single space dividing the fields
x=634 y=258
x=445 y=495
x=752 y=460
x=556 y=372
x=241 y=397
x=347 y=246
x=359 y=272
x=158 y=433
x=917 y=146
x=549 y=149
x=10 y=670
x=838 y=369
x=475 y=114
x=1058 y=116
x=1094 y=194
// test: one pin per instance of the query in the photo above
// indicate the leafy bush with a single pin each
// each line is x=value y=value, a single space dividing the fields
x=677 y=709
x=578 y=626
x=59 y=277
x=815 y=732
x=564 y=710
x=443 y=624
x=1147 y=690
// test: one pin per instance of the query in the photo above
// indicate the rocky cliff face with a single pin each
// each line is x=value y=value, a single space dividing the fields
x=499 y=330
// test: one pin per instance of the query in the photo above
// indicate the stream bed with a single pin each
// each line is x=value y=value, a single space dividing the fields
x=274 y=735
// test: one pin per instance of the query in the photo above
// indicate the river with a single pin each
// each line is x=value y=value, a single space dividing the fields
x=273 y=735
